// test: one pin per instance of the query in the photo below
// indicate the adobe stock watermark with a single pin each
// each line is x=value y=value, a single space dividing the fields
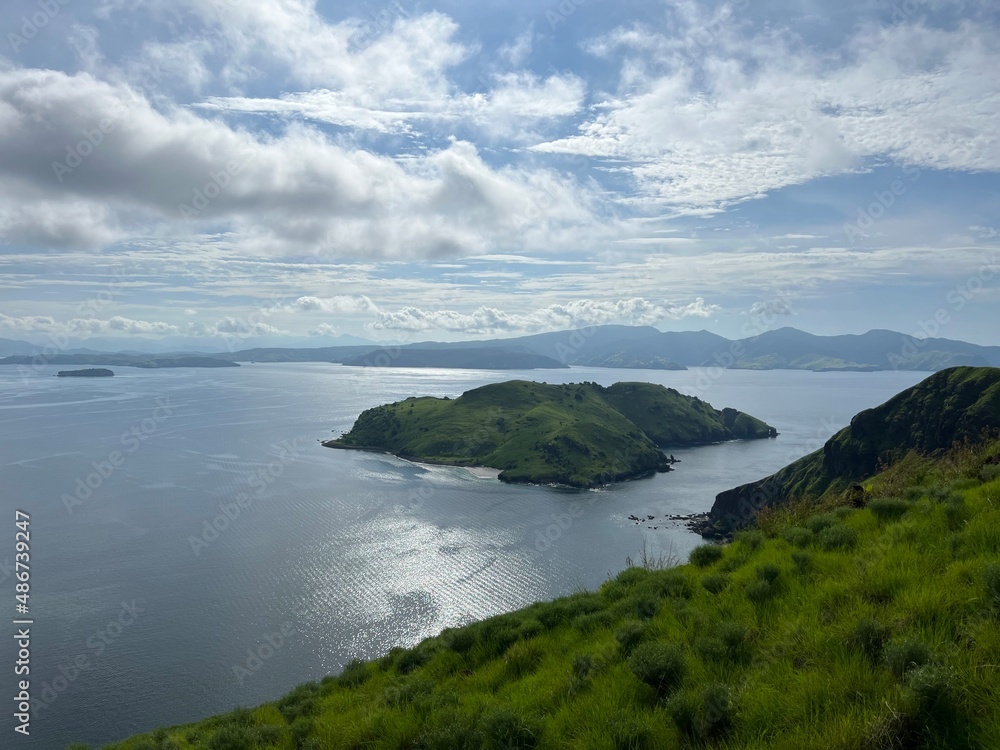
x=93 y=137
x=562 y=13
x=258 y=482
x=377 y=23
x=59 y=340
x=269 y=645
x=958 y=297
x=883 y=201
x=31 y=25
x=263 y=652
x=705 y=36
x=216 y=184
x=97 y=644
x=763 y=319
x=131 y=440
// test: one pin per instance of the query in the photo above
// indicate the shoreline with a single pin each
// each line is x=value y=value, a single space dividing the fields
x=489 y=472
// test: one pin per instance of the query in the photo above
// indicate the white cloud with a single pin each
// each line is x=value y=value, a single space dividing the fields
x=118 y=325
x=751 y=116
x=341 y=304
x=296 y=193
x=574 y=314
x=516 y=100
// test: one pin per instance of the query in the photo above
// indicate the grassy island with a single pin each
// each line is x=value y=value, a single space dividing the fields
x=580 y=434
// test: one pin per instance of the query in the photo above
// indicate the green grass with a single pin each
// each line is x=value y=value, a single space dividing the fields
x=873 y=628
x=579 y=434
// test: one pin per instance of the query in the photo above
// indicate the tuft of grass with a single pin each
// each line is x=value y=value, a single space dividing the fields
x=991 y=578
x=887 y=509
x=837 y=538
x=662 y=666
x=715 y=583
x=705 y=555
x=630 y=635
x=869 y=637
x=905 y=654
x=797 y=536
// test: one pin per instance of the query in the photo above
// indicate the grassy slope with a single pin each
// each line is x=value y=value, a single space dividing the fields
x=579 y=434
x=950 y=406
x=829 y=628
x=672 y=419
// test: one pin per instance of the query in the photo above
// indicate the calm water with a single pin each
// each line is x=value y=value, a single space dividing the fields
x=350 y=553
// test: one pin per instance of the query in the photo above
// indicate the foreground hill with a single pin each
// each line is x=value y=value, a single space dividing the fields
x=833 y=628
x=579 y=434
x=960 y=404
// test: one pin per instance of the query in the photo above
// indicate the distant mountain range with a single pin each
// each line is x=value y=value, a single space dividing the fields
x=613 y=346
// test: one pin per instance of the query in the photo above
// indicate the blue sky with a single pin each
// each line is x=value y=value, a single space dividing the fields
x=197 y=172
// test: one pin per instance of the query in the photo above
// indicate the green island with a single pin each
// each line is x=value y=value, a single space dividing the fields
x=579 y=434
x=93 y=372
x=861 y=616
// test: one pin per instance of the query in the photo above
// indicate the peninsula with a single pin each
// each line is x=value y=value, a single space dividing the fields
x=960 y=405
x=578 y=434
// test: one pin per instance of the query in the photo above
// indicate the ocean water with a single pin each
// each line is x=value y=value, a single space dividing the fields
x=194 y=548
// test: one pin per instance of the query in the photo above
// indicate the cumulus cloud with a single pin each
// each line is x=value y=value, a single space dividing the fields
x=290 y=194
x=574 y=314
x=118 y=325
x=770 y=308
x=340 y=304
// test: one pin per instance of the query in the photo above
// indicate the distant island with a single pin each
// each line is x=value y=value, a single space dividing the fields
x=94 y=372
x=472 y=359
x=606 y=346
x=646 y=348
x=145 y=361
x=579 y=434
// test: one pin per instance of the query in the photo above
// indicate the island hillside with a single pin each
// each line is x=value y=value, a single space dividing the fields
x=94 y=372
x=830 y=627
x=951 y=406
x=579 y=434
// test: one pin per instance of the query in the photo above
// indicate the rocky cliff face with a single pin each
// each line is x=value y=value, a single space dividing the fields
x=951 y=406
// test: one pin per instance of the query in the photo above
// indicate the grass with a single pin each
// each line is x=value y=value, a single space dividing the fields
x=873 y=628
x=579 y=434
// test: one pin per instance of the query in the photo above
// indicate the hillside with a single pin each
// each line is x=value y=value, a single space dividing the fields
x=580 y=434
x=834 y=628
x=959 y=404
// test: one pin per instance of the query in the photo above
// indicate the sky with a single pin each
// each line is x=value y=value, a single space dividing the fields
x=193 y=173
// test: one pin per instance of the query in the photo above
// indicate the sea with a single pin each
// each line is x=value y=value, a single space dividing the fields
x=194 y=548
